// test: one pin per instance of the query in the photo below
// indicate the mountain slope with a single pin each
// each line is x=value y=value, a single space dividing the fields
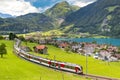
x=49 y=20
x=26 y=23
x=96 y=18
x=59 y=11
x=101 y=17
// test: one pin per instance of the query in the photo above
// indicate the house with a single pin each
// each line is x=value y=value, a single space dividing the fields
x=40 y=49
x=89 y=49
x=96 y=55
x=117 y=56
x=42 y=42
x=63 y=45
x=76 y=48
x=104 y=55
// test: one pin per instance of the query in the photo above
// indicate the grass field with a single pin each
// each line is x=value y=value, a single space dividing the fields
x=97 y=67
x=15 y=68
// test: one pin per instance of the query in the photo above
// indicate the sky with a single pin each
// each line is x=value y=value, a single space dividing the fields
x=22 y=7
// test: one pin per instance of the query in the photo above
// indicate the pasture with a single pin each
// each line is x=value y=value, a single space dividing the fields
x=96 y=67
x=15 y=68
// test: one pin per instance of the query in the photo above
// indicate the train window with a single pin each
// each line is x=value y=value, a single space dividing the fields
x=45 y=61
x=68 y=66
x=35 y=58
x=53 y=64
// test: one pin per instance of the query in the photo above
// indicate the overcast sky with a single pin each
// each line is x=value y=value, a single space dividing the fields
x=21 y=7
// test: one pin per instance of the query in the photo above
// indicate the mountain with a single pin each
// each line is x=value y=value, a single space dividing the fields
x=101 y=17
x=5 y=15
x=50 y=19
x=59 y=11
x=26 y=23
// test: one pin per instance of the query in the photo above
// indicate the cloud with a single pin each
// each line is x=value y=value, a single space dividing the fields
x=16 y=7
x=44 y=8
x=81 y=3
x=22 y=7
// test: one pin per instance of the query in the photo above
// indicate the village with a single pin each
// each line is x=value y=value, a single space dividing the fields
x=98 y=51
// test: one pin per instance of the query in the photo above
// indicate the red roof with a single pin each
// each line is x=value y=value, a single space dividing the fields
x=41 y=47
x=63 y=44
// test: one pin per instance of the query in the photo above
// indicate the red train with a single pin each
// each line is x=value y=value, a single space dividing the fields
x=46 y=62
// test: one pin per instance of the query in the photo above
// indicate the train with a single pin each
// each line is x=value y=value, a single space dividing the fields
x=64 y=66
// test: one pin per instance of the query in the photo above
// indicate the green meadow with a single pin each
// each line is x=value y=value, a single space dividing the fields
x=96 y=67
x=16 y=68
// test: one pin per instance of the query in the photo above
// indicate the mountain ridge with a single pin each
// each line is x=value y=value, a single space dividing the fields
x=100 y=17
x=36 y=21
x=5 y=15
x=92 y=18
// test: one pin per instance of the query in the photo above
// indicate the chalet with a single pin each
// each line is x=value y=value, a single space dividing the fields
x=40 y=49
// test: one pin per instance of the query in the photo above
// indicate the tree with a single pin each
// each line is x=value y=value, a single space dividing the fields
x=96 y=50
x=94 y=42
x=12 y=36
x=3 y=50
x=67 y=49
x=21 y=38
x=1 y=37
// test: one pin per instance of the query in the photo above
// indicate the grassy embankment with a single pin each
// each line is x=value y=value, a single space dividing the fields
x=15 y=68
x=97 y=67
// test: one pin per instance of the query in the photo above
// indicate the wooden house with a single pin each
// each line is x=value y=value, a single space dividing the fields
x=40 y=49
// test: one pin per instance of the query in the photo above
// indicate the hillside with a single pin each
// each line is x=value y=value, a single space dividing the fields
x=59 y=11
x=100 y=17
x=26 y=23
x=95 y=66
x=49 y=20
x=13 y=67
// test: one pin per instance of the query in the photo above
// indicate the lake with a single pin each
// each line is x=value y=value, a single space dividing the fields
x=112 y=41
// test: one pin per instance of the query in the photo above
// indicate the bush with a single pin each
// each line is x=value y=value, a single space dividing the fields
x=1 y=37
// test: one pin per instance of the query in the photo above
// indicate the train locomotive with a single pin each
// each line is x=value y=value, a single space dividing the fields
x=64 y=66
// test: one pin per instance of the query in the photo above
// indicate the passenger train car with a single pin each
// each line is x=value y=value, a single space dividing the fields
x=69 y=67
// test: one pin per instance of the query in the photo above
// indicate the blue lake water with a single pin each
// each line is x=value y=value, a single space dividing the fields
x=112 y=41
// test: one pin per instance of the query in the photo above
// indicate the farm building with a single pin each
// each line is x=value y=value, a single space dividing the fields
x=40 y=49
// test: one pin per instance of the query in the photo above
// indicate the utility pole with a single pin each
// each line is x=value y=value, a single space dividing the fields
x=86 y=64
x=54 y=60
x=54 y=57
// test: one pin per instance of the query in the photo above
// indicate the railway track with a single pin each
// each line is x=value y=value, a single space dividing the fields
x=96 y=77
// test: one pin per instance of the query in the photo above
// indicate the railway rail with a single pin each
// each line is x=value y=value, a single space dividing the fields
x=67 y=67
x=96 y=77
